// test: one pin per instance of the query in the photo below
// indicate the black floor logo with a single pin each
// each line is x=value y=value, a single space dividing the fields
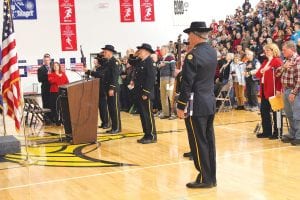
x=50 y=150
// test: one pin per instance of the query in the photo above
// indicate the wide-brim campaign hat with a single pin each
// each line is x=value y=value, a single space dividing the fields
x=109 y=48
x=146 y=47
x=198 y=27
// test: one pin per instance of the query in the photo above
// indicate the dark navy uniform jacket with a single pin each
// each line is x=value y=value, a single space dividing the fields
x=144 y=78
x=198 y=77
x=99 y=73
x=112 y=74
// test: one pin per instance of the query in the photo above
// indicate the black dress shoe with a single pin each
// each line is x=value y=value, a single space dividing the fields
x=273 y=137
x=147 y=140
x=187 y=154
x=106 y=126
x=199 y=185
x=295 y=142
x=113 y=131
x=262 y=135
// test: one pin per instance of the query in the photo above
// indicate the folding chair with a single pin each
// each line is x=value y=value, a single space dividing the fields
x=37 y=113
x=280 y=115
x=223 y=99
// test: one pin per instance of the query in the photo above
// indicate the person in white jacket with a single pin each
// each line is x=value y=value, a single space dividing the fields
x=237 y=72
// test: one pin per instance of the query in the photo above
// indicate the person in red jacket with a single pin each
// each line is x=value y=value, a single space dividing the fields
x=56 y=78
x=266 y=74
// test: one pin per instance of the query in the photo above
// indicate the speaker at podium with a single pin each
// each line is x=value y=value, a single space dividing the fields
x=79 y=110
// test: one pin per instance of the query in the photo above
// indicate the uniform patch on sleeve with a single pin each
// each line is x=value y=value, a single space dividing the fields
x=190 y=57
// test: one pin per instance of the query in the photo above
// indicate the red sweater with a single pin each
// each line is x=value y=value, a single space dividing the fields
x=268 y=77
x=55 y=81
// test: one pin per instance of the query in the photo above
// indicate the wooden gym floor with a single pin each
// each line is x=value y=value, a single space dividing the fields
x=120 y=168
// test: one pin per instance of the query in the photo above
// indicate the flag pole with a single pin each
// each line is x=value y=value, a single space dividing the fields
x=4 y=125
x=28 y=161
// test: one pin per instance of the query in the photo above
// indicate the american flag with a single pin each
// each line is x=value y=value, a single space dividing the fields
x=11 y=77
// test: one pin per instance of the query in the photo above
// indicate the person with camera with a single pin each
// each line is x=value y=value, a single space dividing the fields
x=99 y=62
x=112 y=89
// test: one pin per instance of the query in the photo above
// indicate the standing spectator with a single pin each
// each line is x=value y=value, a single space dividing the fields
x=42 y=73
x=266 y=76
x=291 y=84
x=237 y=73
x=246 y=7
x=252 y=66
x=167 y=78
x=296 y=36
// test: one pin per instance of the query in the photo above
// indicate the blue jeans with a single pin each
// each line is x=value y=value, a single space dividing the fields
x=292 y=111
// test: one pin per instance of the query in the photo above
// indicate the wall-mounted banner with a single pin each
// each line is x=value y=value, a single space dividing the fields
x=126 y=11
x=23 y=9
x=67 y=11
x=182 y=11
x=147 y=10
x=68 y=37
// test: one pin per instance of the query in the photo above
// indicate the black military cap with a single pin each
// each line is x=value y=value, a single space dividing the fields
x=146 y=47
x=198 y=27
x=109 y=48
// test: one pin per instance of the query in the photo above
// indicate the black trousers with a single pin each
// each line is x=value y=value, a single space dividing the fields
x=125 y=103
x=46 y=101
x=266 y=120
x=157 y=100
x=103 y=110
x=53 y=106
x=114 y=111
x=147 y=119
x=251 y=90
x=202 y=143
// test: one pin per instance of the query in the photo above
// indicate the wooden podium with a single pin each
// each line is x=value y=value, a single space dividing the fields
x=79 y=106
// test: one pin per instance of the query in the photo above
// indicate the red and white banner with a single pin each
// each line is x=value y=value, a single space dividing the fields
x=147 y=10
x=68 y=37
x=67 y=25
x=67 y=11
x=126 y=11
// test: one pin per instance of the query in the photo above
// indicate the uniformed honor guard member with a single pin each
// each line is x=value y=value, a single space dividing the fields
x=112 y=88
x=99 y=72
x=144 y=80
x=198 y=79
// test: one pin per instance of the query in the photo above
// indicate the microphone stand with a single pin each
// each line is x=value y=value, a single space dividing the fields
x=82 y=77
